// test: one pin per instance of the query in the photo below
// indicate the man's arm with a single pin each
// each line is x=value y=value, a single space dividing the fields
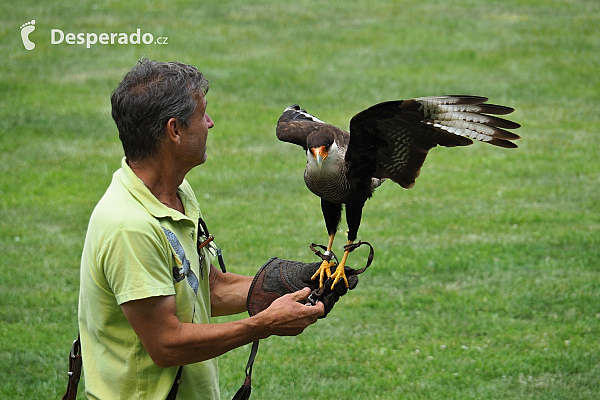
x=228 y=292
x=170 y=342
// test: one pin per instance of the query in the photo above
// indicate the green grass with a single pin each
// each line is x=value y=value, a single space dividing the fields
x=485 y=283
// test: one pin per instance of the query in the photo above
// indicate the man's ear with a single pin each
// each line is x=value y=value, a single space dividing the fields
x=173 y=130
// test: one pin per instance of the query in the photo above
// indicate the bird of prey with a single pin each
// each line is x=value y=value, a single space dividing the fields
x=389 y=140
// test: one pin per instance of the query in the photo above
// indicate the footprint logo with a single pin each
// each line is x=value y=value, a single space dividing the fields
x=26 y=29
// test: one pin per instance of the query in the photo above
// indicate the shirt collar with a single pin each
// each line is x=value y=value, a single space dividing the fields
x=140 y=191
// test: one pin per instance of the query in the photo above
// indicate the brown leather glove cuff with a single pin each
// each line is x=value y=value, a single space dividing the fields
x=276 y=278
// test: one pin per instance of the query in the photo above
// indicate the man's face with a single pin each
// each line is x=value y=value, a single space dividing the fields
x=195 y=135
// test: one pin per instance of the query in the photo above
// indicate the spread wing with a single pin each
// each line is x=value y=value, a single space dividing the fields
x=392 y=139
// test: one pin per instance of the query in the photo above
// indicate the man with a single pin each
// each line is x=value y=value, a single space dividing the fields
x=147 y=293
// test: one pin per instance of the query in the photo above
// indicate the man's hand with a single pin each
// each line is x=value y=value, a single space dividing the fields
x=288 y=316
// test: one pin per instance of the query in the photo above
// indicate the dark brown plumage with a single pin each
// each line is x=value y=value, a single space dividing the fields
x=386 y=141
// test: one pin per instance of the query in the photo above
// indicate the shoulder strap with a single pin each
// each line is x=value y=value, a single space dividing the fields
x=202 y=231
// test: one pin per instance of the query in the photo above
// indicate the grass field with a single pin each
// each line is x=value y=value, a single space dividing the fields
x=486 y=283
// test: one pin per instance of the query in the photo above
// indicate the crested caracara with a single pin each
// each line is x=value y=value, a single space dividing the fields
x=386 y=141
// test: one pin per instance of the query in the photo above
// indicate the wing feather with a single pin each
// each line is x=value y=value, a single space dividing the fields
x=395 y=137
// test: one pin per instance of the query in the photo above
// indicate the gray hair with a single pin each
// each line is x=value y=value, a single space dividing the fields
x=149 y=95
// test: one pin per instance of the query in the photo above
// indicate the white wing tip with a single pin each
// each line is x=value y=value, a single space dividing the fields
x=302 y=113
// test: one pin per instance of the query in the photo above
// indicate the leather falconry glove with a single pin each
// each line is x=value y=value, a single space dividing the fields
x=278 y=277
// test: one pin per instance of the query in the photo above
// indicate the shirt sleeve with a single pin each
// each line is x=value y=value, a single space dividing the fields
x=137 y=265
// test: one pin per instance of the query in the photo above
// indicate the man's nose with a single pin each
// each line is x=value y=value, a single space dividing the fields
x=209 y=121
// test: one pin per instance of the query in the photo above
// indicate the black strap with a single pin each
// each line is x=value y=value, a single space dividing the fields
x=244 y=392
x=202 y=228
x=203 y=231
x=173 y=392
x=250 y=364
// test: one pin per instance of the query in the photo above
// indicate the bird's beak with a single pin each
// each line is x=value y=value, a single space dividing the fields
x=320 y=154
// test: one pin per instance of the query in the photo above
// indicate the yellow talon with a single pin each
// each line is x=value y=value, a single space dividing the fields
x=339 y=274
x=340 y=270
x=324 y=269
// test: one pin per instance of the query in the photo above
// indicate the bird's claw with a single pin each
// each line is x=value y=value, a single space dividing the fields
x=339 y=274
x=324 y=269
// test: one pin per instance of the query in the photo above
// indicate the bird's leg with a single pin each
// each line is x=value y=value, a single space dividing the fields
x=326 y=265
x=339 y=271
x=353 y=216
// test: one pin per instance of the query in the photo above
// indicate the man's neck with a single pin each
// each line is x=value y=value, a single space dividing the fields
x=162 y=179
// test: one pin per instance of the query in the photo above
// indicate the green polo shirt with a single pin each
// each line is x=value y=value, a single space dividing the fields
x=136 y=248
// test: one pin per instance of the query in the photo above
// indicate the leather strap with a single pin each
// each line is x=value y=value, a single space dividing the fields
x=327 y=256
x=353 y=246
x=318 y=293
x=349 y=248
x=74 y=370
x=250 y=364
x=244 y=392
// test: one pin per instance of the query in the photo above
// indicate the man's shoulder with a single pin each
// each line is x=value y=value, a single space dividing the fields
x=119 y=209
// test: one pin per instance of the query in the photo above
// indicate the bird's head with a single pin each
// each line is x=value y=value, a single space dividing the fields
x=319 y=145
